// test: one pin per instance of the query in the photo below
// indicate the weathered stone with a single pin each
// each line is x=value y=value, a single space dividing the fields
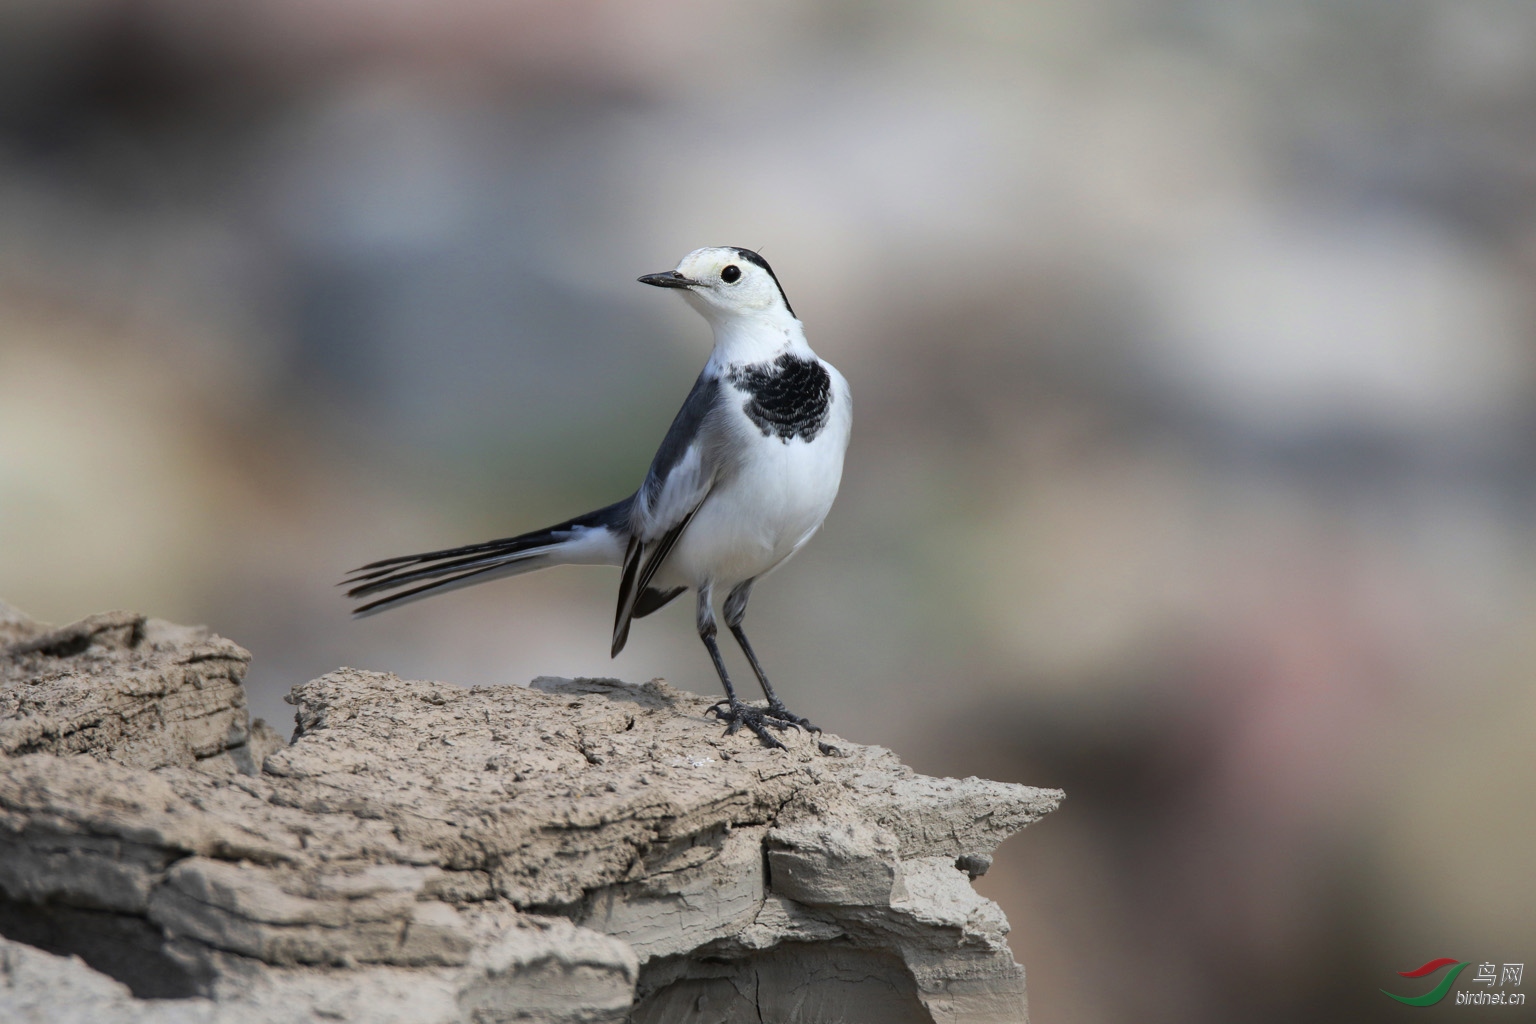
x=549 y=969
x=577 y=851
x=712 y=890
x=845 y=863
x=41 y=988
x=120 y=686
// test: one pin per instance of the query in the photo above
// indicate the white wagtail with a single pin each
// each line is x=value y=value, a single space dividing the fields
x=744 y=477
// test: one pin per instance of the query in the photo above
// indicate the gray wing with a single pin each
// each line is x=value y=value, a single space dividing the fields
x=679 y=480
x=683 y=469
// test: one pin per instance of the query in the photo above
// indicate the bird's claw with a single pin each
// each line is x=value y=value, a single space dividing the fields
x=737 y=714
x=779 y=715
x=777 y=711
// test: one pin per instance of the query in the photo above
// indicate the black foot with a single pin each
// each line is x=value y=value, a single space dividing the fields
x=736 y=715
x=777 y=710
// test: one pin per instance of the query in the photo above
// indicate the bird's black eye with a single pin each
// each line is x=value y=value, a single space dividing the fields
x=731 y=274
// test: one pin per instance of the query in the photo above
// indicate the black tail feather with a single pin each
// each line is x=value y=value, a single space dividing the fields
x=386 y=564
x=429 y=566
x=461 y=565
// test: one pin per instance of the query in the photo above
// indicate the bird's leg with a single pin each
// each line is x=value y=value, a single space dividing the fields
x=735 y=611
x=732 y=710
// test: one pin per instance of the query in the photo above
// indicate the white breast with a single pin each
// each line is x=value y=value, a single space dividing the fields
x=772 y=500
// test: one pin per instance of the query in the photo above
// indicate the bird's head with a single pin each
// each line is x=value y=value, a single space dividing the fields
x=725 y=283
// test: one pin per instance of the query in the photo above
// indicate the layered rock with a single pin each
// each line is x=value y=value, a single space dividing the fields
x=140 y=691
x=580 y=850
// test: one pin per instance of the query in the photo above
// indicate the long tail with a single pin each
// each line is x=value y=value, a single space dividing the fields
x=597 y=538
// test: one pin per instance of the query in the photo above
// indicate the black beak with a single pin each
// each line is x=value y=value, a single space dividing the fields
x=668 y=279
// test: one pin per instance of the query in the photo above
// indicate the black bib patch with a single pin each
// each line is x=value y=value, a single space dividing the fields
x=789 y=398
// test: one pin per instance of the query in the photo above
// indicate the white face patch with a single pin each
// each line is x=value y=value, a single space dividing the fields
x=731 y=281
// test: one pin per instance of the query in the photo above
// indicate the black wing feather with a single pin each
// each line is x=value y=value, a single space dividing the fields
x=637 y=577
x=652 y=600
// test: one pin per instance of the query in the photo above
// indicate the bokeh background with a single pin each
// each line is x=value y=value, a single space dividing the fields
x=1192 y=344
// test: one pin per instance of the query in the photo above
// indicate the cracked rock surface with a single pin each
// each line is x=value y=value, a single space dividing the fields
x=140 y=691
x=576 y=851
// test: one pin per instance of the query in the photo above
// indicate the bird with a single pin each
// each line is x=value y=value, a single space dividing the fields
x=742 y=480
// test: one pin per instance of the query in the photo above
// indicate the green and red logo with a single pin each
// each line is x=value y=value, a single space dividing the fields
x=1437 y=993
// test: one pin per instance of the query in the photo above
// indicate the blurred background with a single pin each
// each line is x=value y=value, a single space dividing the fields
x=1192 y=344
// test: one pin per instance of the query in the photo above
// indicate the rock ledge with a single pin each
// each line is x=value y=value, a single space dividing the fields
x=578 y=851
